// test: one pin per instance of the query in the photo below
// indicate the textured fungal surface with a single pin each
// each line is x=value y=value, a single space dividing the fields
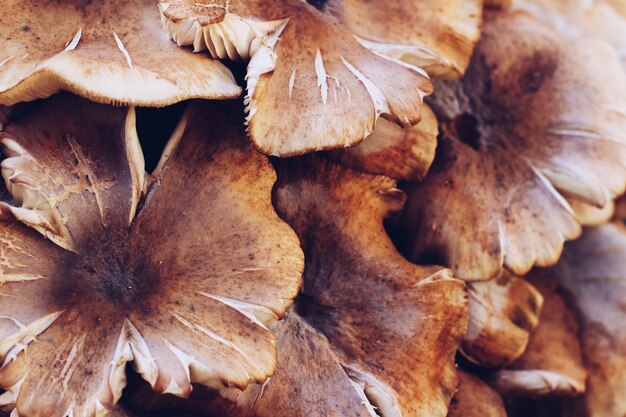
x=530 y=123
x=125 y=276
x=108 y=51
x=311 y=84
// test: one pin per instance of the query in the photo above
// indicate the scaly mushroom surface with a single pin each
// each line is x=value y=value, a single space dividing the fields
x=529 y=118
x=180 y=281
x=113 y=51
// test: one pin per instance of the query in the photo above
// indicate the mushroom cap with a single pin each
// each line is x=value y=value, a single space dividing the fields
x=593 y=279
x=589 y=215
x=438 y=36
x=370 y=329
x=317 y=88
x=404 y=154
x=474 y=398
x=502 y=314
x=182 y=288
x=534 y=114
x=113 y=51
x=552 y=362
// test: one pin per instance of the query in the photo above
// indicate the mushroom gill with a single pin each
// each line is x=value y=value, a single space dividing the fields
x=179 y=278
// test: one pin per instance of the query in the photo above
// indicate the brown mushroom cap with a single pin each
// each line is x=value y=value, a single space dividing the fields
x=533 y=114
x=317 y=88
x=182 y=290
x=438 y=36
x=404 y=154
x=474 y=398
x=113 y=51
x=592 y=274
x=502 y=314
x=552 y=363
x=370 y=329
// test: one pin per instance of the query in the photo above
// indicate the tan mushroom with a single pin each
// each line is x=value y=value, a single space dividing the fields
x=552 y=363
x=404 y=154
x=592 y=275
x=502 y=314
x=474 y=398
x=318 y=87
x=144 y=288
x=371 y=334
x=113 y=51
x=534 y=114
x=438 y=36
x=589 y=215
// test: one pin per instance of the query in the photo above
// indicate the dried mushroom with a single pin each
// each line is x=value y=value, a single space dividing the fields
x=130 y=280
x=113 y=51
x=552 y=362
x=474 y=398
x=311 y=84
x=529 y=118
x=502 y=314
x=371 y=334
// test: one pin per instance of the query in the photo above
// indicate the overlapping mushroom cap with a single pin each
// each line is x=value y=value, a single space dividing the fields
x=114 y=51
x=371 y=334
x=534 y=114
x=311 y=84
x=180 y=283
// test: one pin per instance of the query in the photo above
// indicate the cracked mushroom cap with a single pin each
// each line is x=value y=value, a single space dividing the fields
x=552 y=363
x=404 y=154
x=370 y=331
x=112 y=51
x=592 y=274
x=181 y=288
x=534 y=119
x=474 y=398
x=502 y=314
x=311 y=84
x=438 y=36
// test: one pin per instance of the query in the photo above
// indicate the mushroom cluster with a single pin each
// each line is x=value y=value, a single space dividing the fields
x=312 y=208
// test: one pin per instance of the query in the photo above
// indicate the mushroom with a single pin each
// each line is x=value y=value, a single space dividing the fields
x=113 y=51
x=534 y=114
x=589 y=215
x=371 y=334
x=402 y=154
x=126 y=278
x=474 y=398
x=592 y=276
x=502 y=314
x=318 y=88
x=434 y=35
x=552 y=362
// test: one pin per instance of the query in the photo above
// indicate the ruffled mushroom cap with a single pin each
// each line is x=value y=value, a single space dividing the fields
x=588 y=215
x=317 y=88
x=182 y=289
x=502 y=314
x=552 y=363
x=371 y=331
x=533 y=114
x=438 y=36
x=596 y=19
x=592 y=274
x=404 y=154
x=474 y=398
x=113 y=51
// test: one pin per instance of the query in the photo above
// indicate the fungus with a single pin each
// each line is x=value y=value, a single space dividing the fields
x=474 y=398
x=317 y=88
x=502 y=314
x=529 y=118
x=113 y=51
x=180 y=281
x=402 y=154
x=591 y=274
x=371 y=334
x=552 y=362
